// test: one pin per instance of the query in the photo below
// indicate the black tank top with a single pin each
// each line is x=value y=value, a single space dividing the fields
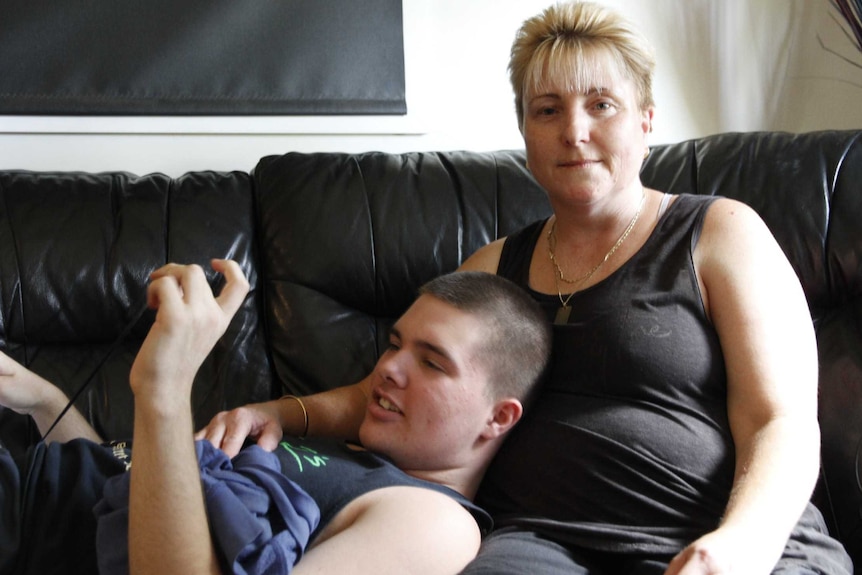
x=334 y=474
x=628 y=445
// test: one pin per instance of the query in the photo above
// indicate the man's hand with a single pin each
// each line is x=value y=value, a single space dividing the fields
x=228 y=430
x=25 y=392
x=189 y=322
x=21 y=390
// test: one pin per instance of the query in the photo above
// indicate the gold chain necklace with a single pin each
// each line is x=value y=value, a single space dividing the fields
x=564 y=311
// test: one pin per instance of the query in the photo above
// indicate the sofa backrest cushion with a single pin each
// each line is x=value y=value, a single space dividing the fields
x=346 y=241
x=77 y=250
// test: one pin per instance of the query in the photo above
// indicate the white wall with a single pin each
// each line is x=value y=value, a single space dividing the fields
x=729 y=65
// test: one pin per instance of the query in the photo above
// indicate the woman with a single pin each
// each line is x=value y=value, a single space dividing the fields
x=684 y=386
x=677 y=432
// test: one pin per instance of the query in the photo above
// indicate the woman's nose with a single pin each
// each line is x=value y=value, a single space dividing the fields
x=575 y=128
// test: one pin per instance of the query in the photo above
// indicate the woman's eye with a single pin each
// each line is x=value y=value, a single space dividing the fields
x=543 y=110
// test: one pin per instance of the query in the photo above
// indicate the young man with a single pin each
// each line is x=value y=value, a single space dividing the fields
x=461 y=361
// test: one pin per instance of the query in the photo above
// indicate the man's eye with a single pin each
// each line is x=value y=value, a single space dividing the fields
x=433 y=365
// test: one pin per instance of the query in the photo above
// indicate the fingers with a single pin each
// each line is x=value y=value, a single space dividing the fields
x=231 y=444
x=229 y=430
x=189 y=321
x=175 y=278
x=270 y=436
x=174 y=283
x=699 y=559
x=164 y=292
x=236 y=285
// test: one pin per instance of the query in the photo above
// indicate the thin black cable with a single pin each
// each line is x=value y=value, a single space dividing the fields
x=89 y=380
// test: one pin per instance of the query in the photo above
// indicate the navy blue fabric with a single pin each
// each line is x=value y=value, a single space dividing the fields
x=260 y=520
x=10 y=511
x=46 y=501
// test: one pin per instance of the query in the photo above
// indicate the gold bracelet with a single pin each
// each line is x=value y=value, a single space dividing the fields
x=304 y=413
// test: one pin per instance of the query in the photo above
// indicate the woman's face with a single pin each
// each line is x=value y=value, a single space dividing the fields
x=586 y=142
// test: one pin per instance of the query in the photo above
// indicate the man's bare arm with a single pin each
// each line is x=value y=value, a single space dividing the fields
x=393 y=531
x=25 y=392
x=168 y=527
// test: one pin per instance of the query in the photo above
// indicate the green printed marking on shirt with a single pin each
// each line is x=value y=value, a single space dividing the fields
x=302 y=454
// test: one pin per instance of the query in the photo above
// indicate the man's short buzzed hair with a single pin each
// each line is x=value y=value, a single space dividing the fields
x=518 y=335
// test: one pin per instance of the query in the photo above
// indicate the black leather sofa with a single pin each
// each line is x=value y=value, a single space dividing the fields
x=335 y=246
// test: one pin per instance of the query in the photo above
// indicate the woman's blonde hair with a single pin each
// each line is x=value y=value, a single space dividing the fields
x=559 y=48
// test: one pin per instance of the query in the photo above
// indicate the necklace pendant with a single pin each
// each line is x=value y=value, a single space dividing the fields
x=562 y=317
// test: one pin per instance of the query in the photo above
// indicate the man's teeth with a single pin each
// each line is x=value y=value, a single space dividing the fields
x=385 y=404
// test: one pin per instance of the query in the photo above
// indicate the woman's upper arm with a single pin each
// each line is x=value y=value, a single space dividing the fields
x=757 y=305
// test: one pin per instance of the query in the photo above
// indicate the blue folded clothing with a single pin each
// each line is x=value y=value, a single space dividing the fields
x=260 y=521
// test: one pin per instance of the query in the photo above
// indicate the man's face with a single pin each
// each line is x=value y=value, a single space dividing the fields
x=429 y=401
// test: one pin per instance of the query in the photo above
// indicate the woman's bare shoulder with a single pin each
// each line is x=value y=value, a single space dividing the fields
x=485 y=259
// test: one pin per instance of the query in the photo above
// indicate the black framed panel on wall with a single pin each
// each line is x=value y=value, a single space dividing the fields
x=202 y=57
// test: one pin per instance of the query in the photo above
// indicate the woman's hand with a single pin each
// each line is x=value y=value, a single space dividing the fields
x=724 y=551
x=228 y=430
x=706 y=556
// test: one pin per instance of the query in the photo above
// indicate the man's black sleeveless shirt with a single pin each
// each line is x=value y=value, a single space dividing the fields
x=628 y=446
x=334 y=474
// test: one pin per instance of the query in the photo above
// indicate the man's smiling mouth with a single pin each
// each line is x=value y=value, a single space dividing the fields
x=387 y=405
